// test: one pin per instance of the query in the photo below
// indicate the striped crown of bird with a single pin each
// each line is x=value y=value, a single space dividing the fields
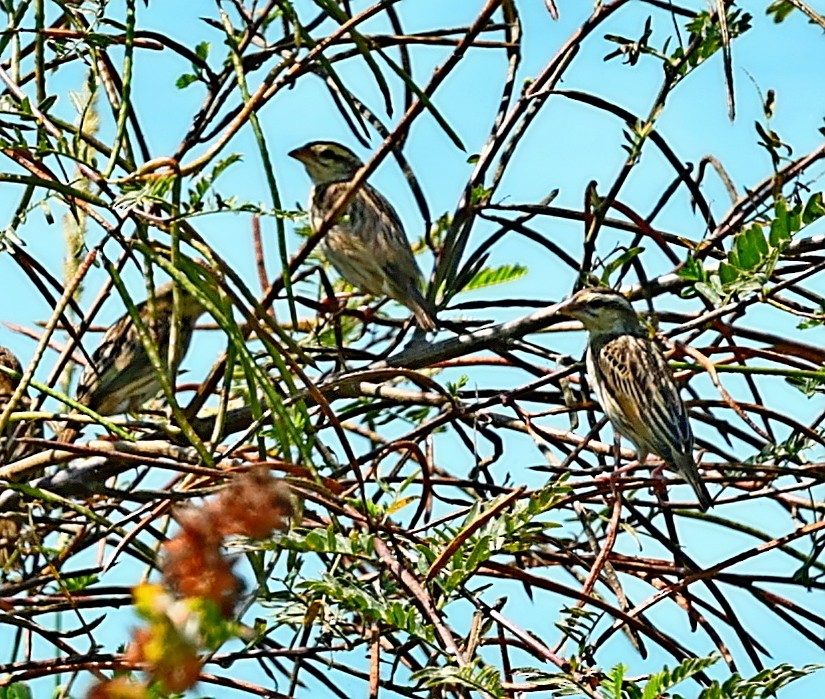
x=633 y=383
x=120 y=377
x=367 y=244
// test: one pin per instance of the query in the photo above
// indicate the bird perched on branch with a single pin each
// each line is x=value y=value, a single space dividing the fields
x=12 y=447
x=120 y=377
x=367 y=243
x=634 y=384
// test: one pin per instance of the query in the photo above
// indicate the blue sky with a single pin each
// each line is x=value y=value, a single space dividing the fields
x=567 y=146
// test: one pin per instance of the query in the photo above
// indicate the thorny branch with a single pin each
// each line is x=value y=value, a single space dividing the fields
x=458 y=471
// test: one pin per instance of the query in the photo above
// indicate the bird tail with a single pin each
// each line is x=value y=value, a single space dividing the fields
x=422 y=310
x=689 y=471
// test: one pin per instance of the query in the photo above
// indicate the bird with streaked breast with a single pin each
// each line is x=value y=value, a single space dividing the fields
x=11 y=448
x=366 y=244
x=633 y=383
x=120 y=377
x=14 y=447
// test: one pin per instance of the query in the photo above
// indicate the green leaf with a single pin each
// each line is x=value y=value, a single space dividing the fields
x=185 y=81
x=202 y=50
x=756 y=240
x=795 y=219
x=80 y=582
x=780 y=10
x=779 y=234
x=17 y=690
x=620 y=261
x=727 y=274
x=747 y=253
x=48 y=103
x=709 y=291
x=692 y=271
x=814 y=209
x=489 y=276
x=615 y=681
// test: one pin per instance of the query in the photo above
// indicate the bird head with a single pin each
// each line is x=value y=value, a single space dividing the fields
x=603 y=311
x=191 y=307
x=327 y=161
x=8 y=383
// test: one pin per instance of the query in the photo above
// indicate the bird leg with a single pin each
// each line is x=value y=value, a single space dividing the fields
x=370 y=311
x=614 y=477
x=657 y=475
x=329 y=306
x=368 y=314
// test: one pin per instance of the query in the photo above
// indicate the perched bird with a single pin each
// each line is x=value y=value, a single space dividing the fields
x=367 y=244
x=11 y=446
x=120 y=377
x=634 y=384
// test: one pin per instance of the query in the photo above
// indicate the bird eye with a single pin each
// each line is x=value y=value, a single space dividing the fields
x=329 y=154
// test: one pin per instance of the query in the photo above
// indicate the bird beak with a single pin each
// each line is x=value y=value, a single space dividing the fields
x=568 y=308
x=301 y=154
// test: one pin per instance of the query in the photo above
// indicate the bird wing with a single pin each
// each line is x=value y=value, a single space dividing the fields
x=120 y=374
x=392 y=247
x=648 y=409
x=367 y=245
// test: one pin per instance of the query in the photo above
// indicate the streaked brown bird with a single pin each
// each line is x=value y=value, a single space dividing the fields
x=12 y=446
x=634 y=384
x=120 y=377
x=367 y=244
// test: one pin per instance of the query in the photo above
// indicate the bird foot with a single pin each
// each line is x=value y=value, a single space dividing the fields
x=658 y=485
x=368 y=314
x=614 y=478
x=329 y=306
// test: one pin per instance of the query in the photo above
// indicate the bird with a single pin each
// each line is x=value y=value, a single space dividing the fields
x=366 y=244
x=120 y=377
x=633 y=383
x=13 y=448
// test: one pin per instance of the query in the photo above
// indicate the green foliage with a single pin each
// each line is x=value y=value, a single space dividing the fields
x=453 y=387
x=474 y=676
x=198 y=74
x=754 y=254
x=664 y=681
x=78 y=583
x=763 y=684
x=791 y=448
x=771 y=142
x=780 y=9
x=624 y=258
x=707 y=38
x=813 y=322
x=512 y=530
x=578 y=623
x=808 y=385
x=346 y=597
x=615 y=684
x=492 y=276
x=327 y=541
x=632 y=49
x=16 y=690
